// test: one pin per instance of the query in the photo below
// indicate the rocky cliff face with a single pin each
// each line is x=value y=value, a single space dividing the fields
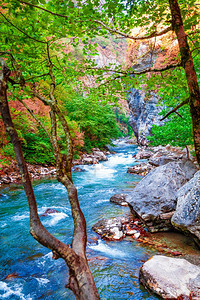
x=144 y=109
x=144 y=112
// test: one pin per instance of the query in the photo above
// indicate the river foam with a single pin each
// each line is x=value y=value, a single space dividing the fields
x=15 y=290
x=108 y=251
x=53 y=218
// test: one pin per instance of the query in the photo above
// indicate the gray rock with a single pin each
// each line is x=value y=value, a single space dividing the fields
x=155 y=195
x=144 y=112
x=116 y=229
x=94 y=157
x=141 y=169
x=187 y=215
x=144 y=154
x=6 y=179
x=162 y=160
x=171 y=278
x=119 y=199
x=99 y=155
x=88 y=160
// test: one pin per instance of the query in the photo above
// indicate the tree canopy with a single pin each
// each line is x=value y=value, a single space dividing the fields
x=50 y=47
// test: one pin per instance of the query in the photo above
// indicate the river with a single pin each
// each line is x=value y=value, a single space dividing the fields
x=115 y=265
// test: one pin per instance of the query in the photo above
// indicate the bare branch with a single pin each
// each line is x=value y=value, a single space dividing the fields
x=30 y=37
x=193 y=32
x=42 y=98
x=152 y=70
x=177 y=113
x=149 y=70
x=175 y=109
x=44 y=9
x=38 y=76
x=54 y=142
x=197 y=48
x=125 y=35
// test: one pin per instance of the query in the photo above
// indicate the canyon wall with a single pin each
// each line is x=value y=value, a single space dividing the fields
x=143 y=104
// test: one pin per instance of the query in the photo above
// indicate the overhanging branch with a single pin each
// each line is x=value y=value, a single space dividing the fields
x=30 y=37
x=149 y=70
x=175 y=109
x=125 y=35
x=44 y=9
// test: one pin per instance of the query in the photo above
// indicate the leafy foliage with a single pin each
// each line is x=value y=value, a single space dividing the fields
x=38 y=149
x=95 y=119
x=176 y=131
x=36 y=146
x=72 y=33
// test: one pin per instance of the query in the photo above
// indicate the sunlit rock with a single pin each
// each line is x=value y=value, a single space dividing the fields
x=171 y=278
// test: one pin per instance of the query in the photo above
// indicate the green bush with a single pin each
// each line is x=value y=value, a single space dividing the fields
x=177 y=131
x=95 y=119
x=36 y=146
x=7 y=150
x=123 y=120
x=37 y=149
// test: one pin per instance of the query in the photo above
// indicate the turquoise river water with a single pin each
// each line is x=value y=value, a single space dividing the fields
x=115 y=265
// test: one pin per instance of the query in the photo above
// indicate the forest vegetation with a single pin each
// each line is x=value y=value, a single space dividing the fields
x=47 y=58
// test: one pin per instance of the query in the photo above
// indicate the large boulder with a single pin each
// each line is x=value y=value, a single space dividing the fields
x=187 y=215
x=171 y=278
x=153 y=200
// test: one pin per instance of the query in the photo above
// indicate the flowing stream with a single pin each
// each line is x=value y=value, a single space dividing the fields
x=115 y=265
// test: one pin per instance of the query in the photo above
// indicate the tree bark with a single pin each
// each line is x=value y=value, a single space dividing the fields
x=81 y=281
x=188 y=65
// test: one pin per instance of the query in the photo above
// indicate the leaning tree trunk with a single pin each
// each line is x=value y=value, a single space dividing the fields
x=81 y=281
x=188 y=65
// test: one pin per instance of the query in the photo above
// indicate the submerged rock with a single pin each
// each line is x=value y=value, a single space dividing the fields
x=49 y=211
x=187 y=215
x=12 y=276
x=171 y=278
x=119 y=199
x=154 y=198
x=77 y=169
